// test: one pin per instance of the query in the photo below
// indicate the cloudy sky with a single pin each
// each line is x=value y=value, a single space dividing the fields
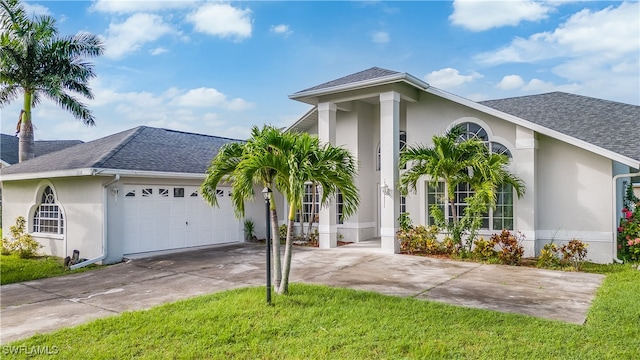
x=220 y=67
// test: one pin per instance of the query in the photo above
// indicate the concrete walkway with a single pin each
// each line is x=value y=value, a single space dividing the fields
x=49 y=304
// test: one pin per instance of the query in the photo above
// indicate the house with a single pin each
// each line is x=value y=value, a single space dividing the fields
x=132 y=192
x=573 y=153
x=9 y=148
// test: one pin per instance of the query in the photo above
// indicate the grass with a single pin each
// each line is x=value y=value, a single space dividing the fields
x=14 y=269
x=321 y=322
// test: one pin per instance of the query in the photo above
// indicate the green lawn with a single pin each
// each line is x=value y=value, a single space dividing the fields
x=320 y=322
x=13 y=269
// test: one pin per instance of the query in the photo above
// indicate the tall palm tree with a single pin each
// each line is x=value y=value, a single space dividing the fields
x=243 y=165
x=448 y=160
x=332 y=168
x=38 y=63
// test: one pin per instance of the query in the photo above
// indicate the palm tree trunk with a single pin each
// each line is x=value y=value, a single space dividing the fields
x=26 y=145
x=277 y=263
x=286 y=269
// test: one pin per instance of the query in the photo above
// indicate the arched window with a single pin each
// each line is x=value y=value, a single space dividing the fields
x=48 y=216
x=502 y=217
x=474 y=131
x=403 y=144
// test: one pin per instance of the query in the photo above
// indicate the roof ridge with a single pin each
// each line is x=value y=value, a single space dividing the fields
x=136 y=131
x=198 y=134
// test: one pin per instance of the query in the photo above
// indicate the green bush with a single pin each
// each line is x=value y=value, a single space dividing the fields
x=21 y=243
x=483 y=249
x=548 y=256
x=421 y=240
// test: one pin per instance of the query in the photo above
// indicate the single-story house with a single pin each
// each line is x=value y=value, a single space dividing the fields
x=573 y=153
x=138 y=191
x=132 y=192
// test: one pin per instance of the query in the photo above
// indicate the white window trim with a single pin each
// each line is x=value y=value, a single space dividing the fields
x=34 y=208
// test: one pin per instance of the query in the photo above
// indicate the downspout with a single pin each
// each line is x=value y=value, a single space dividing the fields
x=104 y=226
x=615 y=213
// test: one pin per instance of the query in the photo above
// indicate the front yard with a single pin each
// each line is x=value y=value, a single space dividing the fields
x=13 y=269
x=321 y=322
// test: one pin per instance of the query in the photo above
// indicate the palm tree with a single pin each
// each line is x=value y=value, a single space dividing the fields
x=243 y=165
x=333 y=169
x=448 y=160
x=38 y=63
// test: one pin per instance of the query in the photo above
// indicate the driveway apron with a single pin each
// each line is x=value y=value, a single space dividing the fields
x=46 y=305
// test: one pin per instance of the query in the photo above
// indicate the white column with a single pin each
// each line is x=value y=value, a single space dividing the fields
x=327 y=229
x=525 y=208
x=389 y=152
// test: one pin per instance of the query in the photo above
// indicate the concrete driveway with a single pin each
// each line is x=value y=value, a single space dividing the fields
x=45 y=305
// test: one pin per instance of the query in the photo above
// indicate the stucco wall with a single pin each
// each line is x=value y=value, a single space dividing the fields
x=81 y=202
x=574 y=197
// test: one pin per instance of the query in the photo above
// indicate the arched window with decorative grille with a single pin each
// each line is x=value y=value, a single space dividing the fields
x=402 y=144
x=48 y=216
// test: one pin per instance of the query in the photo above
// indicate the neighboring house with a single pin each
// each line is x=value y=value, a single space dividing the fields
x=9 y=152
x=9 y=148
x=567 y=148
x=132 y=192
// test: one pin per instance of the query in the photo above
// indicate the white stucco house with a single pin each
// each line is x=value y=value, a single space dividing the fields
x=137 y=191
x=132 y=192
x=571 y=151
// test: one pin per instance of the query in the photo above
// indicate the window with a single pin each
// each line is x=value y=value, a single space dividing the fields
x=309 y=204
x=163 y=192
x=402 y=145
x=219 y=192
x=471 y=131
x=48 y=217
x=403 y=205
x=178 y=192
x=131 y=193
x=495 y=220
x=339 y=207
x=147 y=192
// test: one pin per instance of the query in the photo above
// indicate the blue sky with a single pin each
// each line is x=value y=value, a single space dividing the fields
x=220 y=67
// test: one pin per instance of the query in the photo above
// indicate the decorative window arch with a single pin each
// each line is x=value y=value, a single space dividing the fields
x=472 y=130
x=48 y=217
x=402 y=145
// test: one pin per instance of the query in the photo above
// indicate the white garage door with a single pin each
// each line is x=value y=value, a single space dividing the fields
x=171 y=217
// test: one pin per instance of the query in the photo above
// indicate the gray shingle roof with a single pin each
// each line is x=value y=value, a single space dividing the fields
x=369 y=74
x=9 y=147
x=607 y=124
x=142 y=148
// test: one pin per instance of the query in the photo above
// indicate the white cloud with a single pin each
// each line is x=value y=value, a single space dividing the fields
x=510 y=82
x=596 y=52
x=128 y=6
x=484 y=15
x=128 y=36
x=380 y=37
x=281 y=29
x=158 y=51
x=35 y=9
x=449 y=78
x=222 y=20
x=606 y=34
x=209 y=98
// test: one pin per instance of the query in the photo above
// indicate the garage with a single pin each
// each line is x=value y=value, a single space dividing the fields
x=162 y=217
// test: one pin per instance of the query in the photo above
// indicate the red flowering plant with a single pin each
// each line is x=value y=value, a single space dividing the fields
x=629 y=229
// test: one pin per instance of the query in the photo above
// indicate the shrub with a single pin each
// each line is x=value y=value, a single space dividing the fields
x=548 y=256
x=483 y=249
x=419 y=240
x=574 y=253
x=510 y=250
x=249 y=229
x=282 y=231
x=21 y=243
